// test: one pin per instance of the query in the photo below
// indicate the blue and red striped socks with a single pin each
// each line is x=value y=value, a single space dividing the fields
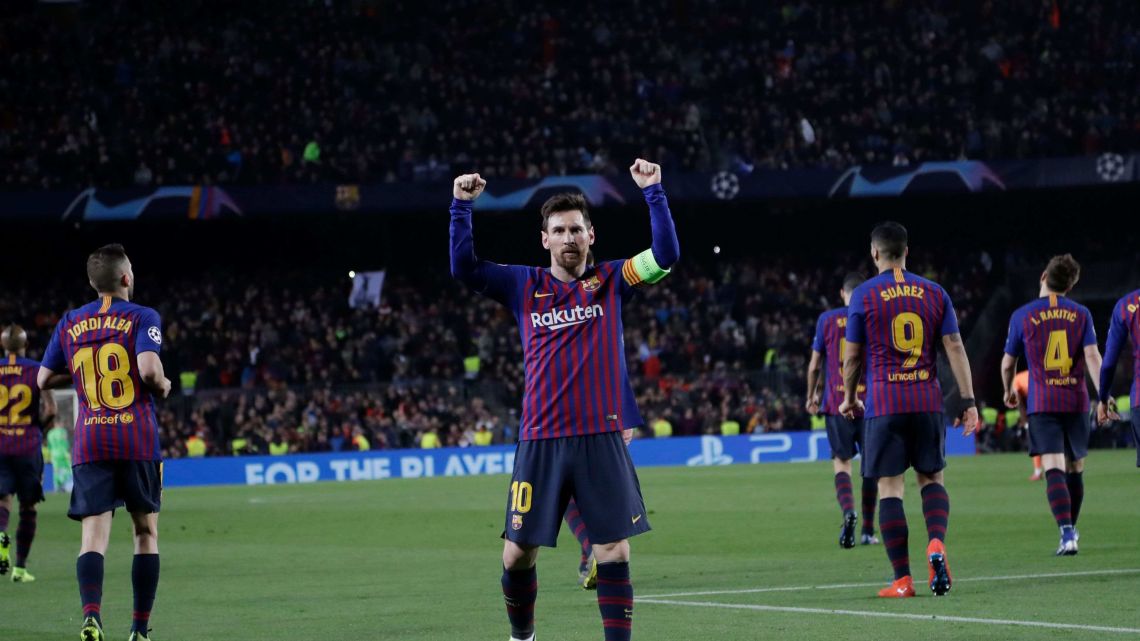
x=89 y=571
x=1076 y=482
x=892 y=526
x=870 y=496
x=1057 y=489
x=936 y=510
x=144 y=579
x=578 y=527
x=843 y=492
x=25 y=534
x=520 y=590
x=615 y=600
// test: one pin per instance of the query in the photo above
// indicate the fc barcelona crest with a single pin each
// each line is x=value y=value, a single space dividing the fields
x=592 y=283
x=516 y=522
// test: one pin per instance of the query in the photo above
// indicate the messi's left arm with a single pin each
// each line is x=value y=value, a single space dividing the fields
x=653 y=264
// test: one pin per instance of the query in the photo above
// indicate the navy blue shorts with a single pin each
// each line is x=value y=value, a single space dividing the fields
x=23 y=476
x=894 y=442
x=103 y=486
x=1059 y=432
x=845 y=436
x=1136 y=433
x=596 y=470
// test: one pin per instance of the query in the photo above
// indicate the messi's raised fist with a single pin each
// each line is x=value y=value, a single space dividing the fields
x=645 y=173
x=468 y=186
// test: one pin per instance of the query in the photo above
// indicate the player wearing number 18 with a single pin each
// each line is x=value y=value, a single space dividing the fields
x=894 y=321
x=1048 y=332
x=110 y=347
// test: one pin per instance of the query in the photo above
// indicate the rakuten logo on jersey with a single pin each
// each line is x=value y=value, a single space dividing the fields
x=560 y=318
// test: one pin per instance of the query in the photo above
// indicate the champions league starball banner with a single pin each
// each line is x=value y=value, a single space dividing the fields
x=509 y=194
x=690 y=451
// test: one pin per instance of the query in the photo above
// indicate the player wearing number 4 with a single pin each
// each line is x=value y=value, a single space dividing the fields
x=1048 y=332
x=111 y=347
x=570 y=432
x=894 y=321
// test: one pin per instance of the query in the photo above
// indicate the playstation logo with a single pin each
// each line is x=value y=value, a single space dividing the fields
x=712 y=453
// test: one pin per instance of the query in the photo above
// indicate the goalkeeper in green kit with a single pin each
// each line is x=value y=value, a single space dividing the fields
x=59 y=449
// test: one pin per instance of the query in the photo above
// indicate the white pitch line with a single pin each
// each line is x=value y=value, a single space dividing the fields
x=894 y=615
x=841 y=586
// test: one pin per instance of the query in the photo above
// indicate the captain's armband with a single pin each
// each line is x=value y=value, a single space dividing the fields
x=643 y=269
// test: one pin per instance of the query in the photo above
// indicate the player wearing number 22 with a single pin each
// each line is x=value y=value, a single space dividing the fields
x=569 y=317
x=110 y=347
x=1048 y=332
x=23 y=415
x=894 y=321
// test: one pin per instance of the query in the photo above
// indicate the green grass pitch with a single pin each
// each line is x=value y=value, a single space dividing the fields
x=419 y=559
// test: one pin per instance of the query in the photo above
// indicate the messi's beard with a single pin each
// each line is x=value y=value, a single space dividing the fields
x=571 y=261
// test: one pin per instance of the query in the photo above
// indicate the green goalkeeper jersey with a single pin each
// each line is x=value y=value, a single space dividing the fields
x=58 y=444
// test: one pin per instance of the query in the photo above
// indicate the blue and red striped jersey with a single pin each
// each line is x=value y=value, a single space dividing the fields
x=573 y=347
x=576 y=382
x=830 y=340
x=1125 y=325
x=99 y=344
x=21 y=431
x=899 y=318
x=1051 y=334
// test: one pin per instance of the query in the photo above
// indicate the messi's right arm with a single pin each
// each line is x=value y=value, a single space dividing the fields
x=480 y=275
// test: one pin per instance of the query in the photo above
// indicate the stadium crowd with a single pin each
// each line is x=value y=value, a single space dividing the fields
x=258 y=92
x=265 y=361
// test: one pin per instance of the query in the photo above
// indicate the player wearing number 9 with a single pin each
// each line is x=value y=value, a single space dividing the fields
x=1048 y=332
x=894 y=322
x=109 y=350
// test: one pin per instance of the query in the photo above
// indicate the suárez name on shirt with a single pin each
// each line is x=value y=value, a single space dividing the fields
x=99 y=323
x=898 y=291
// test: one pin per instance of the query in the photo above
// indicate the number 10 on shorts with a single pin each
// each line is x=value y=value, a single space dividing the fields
x=521 y=495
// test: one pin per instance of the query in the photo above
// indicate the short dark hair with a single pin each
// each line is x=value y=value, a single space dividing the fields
x=105 y=267
x=852 y=280
x=890 y=238
x=1062 y=273
x=567 y=201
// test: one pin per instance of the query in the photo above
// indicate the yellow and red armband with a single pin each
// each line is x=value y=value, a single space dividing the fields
x=643 y=269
